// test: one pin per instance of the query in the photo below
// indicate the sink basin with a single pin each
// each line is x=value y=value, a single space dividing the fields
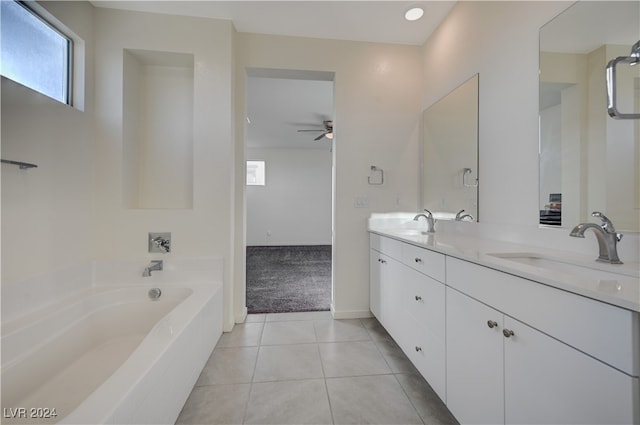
x=410 y=232
x=560 y=265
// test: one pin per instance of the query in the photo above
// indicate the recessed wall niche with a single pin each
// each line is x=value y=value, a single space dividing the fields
x=157 y=129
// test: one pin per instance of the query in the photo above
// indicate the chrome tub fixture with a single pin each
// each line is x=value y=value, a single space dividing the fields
x=154 y=265
x=154 y=293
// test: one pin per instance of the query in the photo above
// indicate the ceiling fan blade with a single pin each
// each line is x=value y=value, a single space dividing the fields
x=321 y=136
x=311 y=130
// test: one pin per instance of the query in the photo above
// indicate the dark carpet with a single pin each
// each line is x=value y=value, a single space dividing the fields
x=283 y=279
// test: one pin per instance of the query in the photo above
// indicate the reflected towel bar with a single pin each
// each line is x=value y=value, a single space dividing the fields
x=466 y=171
x=22 y=165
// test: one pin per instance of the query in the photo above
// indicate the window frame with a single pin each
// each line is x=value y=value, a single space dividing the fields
x=264 y=172
x=67 y=96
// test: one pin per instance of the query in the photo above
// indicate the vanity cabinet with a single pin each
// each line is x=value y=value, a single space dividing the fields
x=409 y=302
x=499 y=370
x=512 y=353
x=498 y=348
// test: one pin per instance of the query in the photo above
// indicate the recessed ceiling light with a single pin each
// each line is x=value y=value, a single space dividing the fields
x=414 y=14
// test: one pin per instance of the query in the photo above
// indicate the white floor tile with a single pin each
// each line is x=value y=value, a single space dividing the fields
x=352 y=359
x=370 y=400
x=290 y=332
x=288 y=362
x=289 y=402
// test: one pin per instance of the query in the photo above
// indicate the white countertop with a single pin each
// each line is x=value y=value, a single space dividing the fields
x=622 y=292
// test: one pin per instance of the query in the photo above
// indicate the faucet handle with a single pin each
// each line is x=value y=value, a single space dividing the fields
x=163 y=244
x=428 y=213
x=607 y=225
x=459 y=215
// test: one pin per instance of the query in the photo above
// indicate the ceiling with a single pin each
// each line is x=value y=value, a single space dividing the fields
x=374 y=21
x=279 y=105
x=277 y=108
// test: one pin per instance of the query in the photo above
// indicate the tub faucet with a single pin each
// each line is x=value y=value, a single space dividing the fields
x=431 y=223
x=606 y=235
x=154 y=265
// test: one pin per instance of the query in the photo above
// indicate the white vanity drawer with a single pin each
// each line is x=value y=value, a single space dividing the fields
x=425 y=261
x=388 y=246
x=427 y=353
x=606 y=332
x=423 y=299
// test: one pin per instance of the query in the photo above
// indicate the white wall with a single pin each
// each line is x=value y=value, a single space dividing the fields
x=377 y=96
x=294 y=207
x=207 y=228
x=47 y=211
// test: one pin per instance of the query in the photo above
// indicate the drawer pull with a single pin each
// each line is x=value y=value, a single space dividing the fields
x=418 y=260
x=492 y=324
x=508 y=333
x=418 y=349
x=380 y=260
x=418 y=298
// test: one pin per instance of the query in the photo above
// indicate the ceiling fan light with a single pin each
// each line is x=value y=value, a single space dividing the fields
x=329 y=136
x=414 y=13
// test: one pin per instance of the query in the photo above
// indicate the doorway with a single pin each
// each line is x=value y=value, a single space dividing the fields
x=288 y=197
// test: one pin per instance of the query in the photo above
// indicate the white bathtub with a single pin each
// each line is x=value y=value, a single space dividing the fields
x=109 y=354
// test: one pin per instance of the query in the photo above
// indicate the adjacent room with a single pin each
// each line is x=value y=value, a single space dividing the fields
x=288 y=196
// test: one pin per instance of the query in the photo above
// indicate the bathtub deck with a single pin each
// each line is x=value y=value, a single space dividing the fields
x=66 y=390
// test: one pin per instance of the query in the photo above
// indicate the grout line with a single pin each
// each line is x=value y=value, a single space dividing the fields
x=255 y=365
x=324 y=376
x=395 y=375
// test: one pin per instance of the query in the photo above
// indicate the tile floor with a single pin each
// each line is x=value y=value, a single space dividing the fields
x=306 y=368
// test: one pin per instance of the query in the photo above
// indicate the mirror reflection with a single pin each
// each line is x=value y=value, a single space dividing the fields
x=589 y=161
x=450 y=154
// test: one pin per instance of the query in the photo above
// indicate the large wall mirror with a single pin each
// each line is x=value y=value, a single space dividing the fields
x=450 y=154
x=588 y=160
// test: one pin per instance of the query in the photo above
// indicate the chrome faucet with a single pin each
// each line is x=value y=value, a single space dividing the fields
x=606 y=235
x=463 y=217
x=431 y=222
x=154 y=265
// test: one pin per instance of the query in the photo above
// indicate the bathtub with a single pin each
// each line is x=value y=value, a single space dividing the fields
x=109 y=354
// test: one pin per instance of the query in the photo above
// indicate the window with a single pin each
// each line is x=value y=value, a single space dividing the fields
x=34 y=53
x=255 y=173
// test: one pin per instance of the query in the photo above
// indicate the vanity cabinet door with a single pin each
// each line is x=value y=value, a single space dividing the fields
x=383 y=290
x=546 y=381
x=475 y=377
x=375 y=271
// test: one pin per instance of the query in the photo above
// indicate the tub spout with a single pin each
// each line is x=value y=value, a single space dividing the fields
x=154 y=265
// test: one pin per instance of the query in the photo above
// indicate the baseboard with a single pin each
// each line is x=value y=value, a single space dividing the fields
x=240 y=318
x=350 y=314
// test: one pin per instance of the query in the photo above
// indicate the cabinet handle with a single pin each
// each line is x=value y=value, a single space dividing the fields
x=418 y=298
x=380 y=260
x=507 y=333
x=418 y=349
x=492 y=324
x=418 y=260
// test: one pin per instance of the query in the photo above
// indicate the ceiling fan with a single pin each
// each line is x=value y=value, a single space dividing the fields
x=327 y=131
